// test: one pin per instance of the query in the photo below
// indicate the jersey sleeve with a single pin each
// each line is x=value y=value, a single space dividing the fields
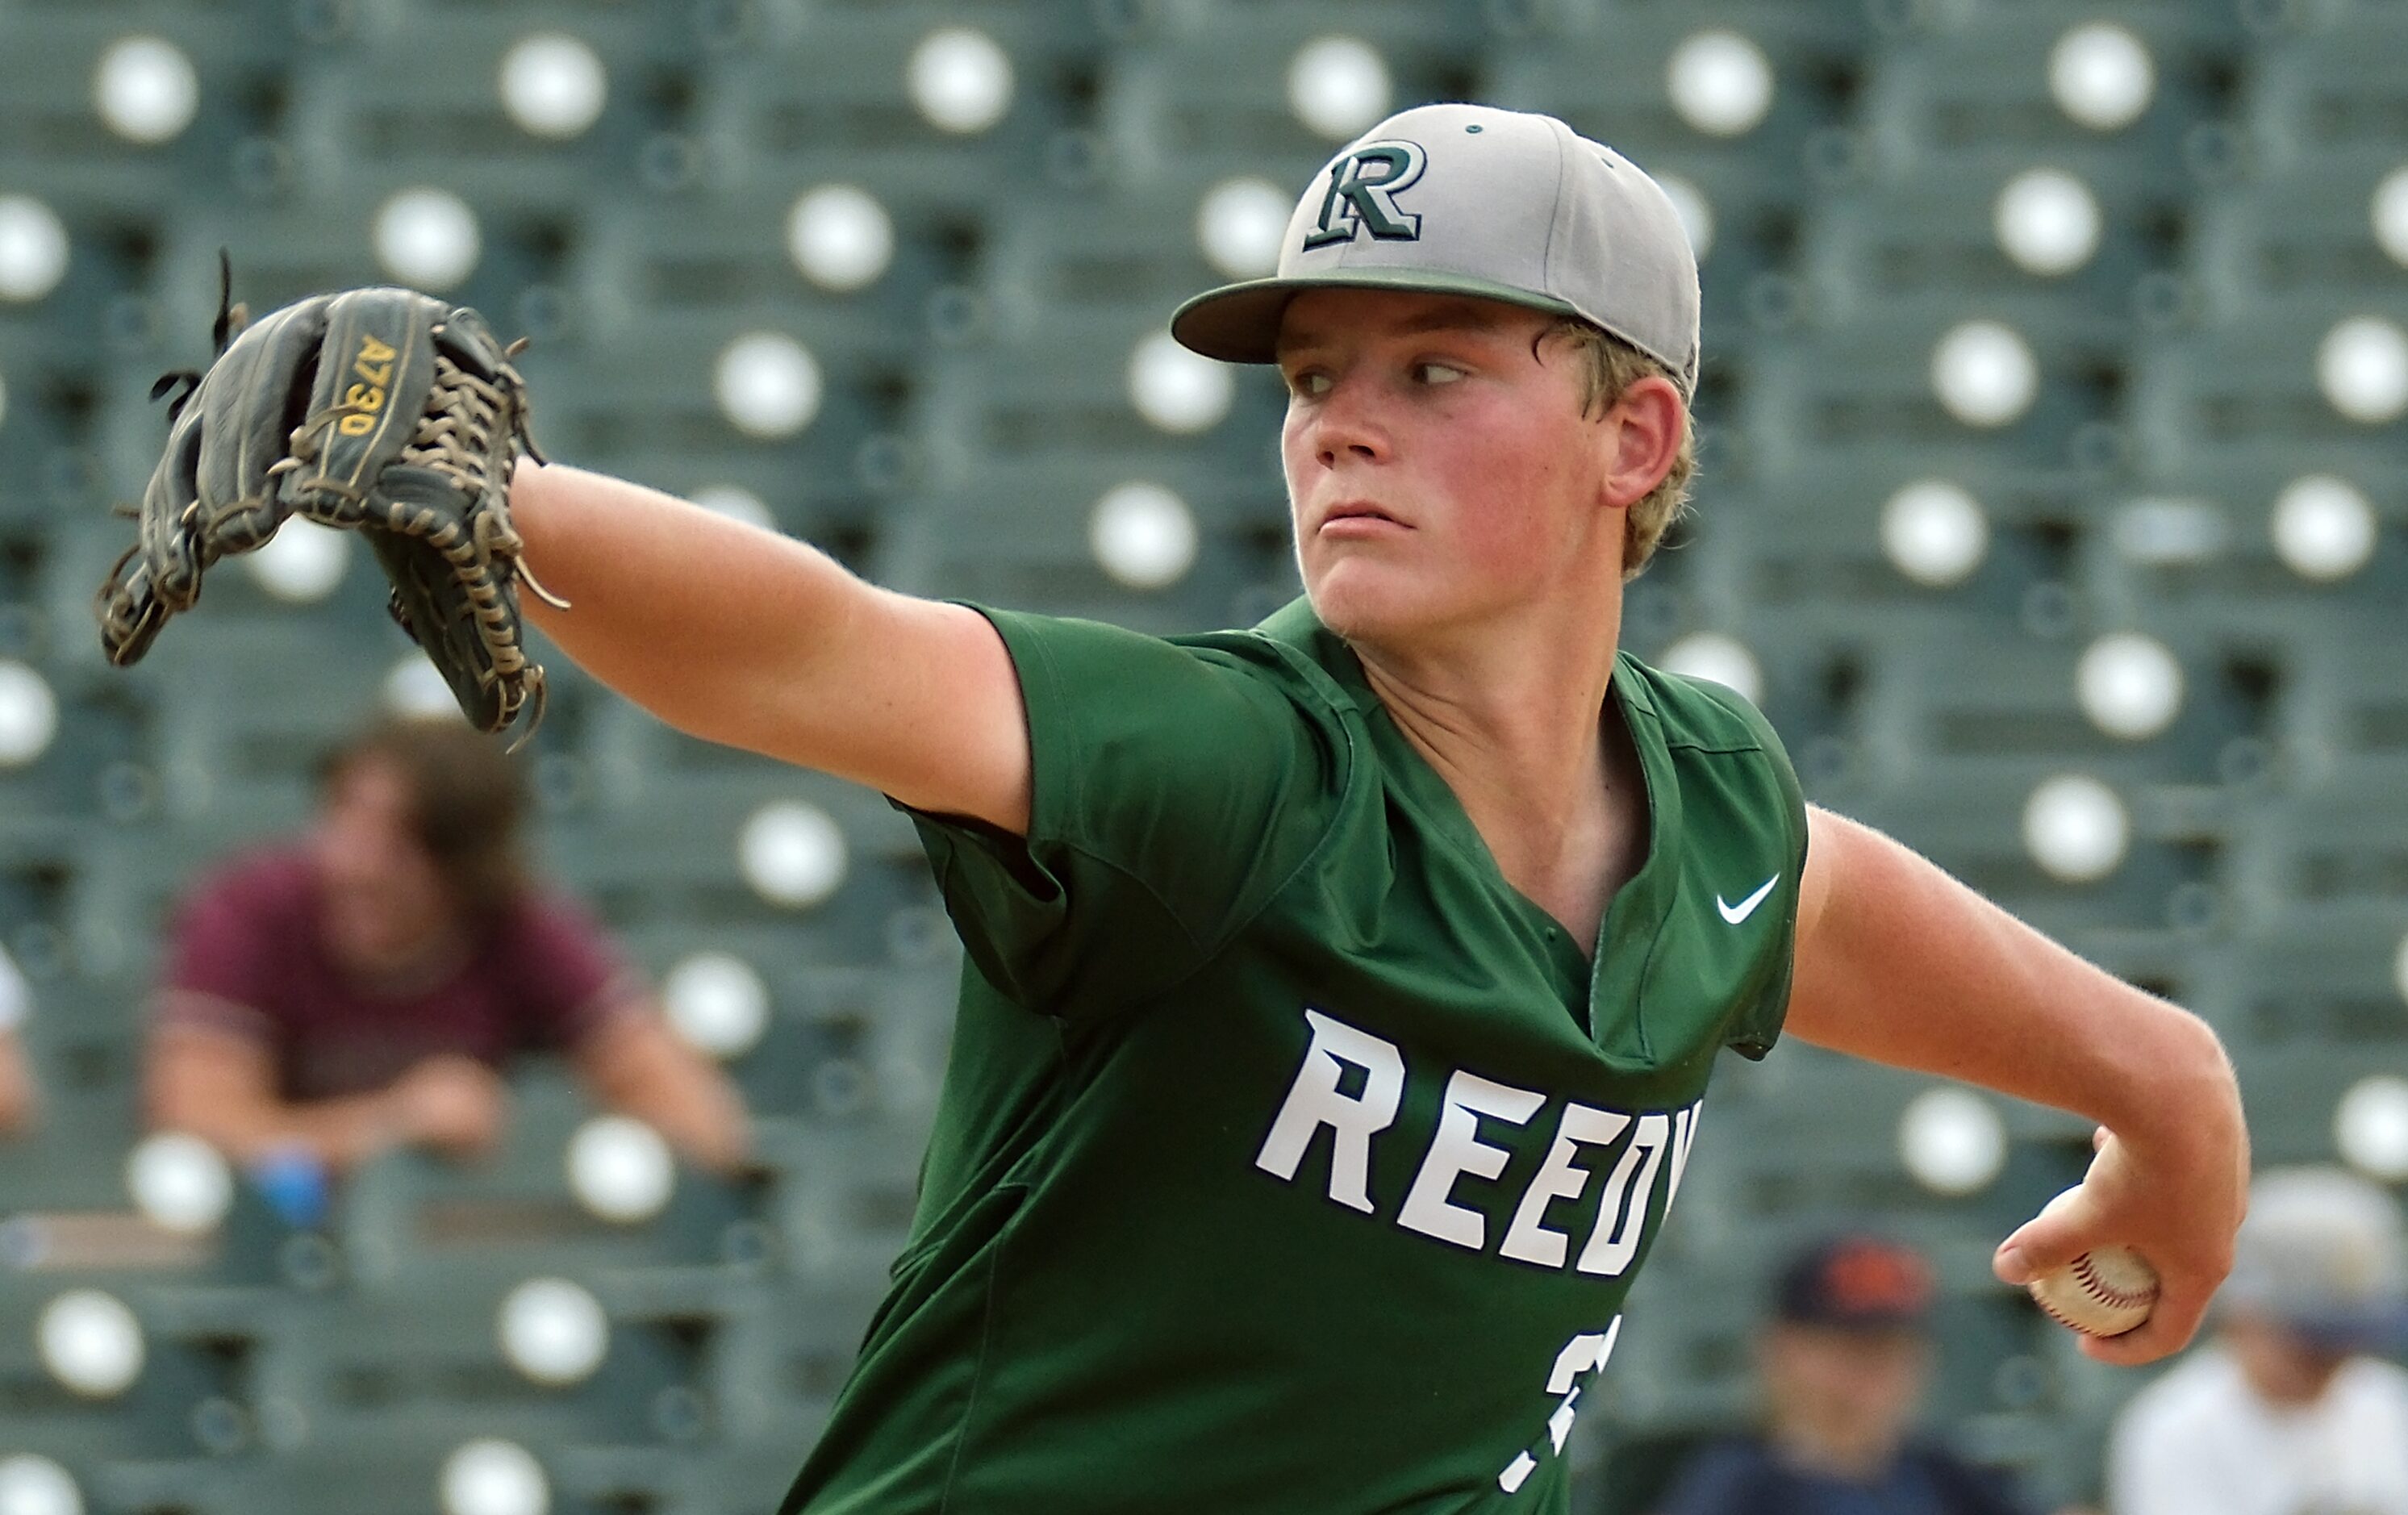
x=567 y=973
x=1176 y=786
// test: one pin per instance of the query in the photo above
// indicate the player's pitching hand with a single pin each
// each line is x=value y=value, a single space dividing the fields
x=2176 y=1202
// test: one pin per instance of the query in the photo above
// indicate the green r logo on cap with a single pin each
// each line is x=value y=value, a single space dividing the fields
x=1363 y=186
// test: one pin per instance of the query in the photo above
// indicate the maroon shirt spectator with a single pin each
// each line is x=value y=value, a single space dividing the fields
x=363 y=987
x=250 y=958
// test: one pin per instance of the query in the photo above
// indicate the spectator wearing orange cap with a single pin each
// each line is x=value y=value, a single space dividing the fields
x=1844 y=1363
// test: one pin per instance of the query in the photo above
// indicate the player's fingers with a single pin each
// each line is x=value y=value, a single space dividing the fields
x=2099 y=1135
x=2049 y=1240
x=2172 y=1322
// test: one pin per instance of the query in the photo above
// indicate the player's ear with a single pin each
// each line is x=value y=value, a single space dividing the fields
x=1643 y=429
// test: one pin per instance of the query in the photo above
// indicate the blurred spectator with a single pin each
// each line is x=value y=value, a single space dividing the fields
x=2286 y=1412
x=1844 y=1363
x=20 y=1109
x=363 y=987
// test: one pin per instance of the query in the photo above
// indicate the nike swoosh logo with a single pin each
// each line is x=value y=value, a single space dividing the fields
x=1737 y=913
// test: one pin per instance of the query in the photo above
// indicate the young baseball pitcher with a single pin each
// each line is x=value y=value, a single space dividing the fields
x=1341 y=992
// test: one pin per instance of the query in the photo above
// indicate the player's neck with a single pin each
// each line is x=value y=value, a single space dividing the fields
x=1505 y=712
x=1512 y=722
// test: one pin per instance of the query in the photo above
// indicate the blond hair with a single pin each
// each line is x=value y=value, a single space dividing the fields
x=1614 y=367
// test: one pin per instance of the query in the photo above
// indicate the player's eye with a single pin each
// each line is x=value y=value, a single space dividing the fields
x=1309 y=381
x=1437 y=373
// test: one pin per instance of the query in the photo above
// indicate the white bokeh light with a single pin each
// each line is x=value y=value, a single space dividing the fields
x=554 y=85
x=1239 y=224
x=1720 y=81
x=2076 y=828
x=1985 y=373
x=303 y=562
x=1144 y=535
x=33 y=248
x=736 y=503
x=146 y=89
x=492 y=1476
x=413 y=686
x=1952 y=1141
x=960 y=79
x=553 y=1331
x=1337 y=85
x=769 y=385
x=839 y=237
x=620 y=1169
x=792 y=853
x=2363 y=367
x=2101 y=76
x=2389 y=213
x=179 y=1183
x=1712 y=655
x=32 y=1484
x=2129 y=685
x=1697 y=212
x=1178 y=392
x=2371 y=1127
x=717 y=1003
x=427 y=238
x=90 y=1343
x=1934 y=532
x=29 y=714
x=2047 y=220
x=2323 y=527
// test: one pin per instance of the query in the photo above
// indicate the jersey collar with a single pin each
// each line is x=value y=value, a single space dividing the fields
x=1613 y=974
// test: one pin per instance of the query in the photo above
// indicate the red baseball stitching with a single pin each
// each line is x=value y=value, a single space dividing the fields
x=2105 y=1292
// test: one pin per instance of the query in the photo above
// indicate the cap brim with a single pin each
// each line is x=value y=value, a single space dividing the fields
x=2380 y=1328
x=1240 y=322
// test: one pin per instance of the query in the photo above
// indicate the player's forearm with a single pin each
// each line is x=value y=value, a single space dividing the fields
x=1914 y=969
x=700 y=620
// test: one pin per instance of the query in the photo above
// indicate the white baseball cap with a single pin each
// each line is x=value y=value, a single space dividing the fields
x=2325 y=1252
x=1500 y=205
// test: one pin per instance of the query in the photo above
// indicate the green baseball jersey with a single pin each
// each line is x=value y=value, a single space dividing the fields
x=1289 y=1159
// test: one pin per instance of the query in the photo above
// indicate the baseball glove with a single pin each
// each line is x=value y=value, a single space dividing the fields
x=377 y=410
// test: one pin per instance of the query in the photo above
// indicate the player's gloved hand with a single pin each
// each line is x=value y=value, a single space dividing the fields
x=2175 y=1200
x=377 y=410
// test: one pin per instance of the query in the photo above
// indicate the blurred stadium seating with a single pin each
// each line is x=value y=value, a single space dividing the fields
x=960 y=372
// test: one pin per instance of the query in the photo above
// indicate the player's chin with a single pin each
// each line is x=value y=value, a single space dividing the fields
x=1362 y=598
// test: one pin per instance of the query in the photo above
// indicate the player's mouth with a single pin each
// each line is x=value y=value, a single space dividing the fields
x=1359 y=518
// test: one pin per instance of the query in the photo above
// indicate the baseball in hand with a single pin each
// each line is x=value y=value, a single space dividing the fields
x=2104 y=1292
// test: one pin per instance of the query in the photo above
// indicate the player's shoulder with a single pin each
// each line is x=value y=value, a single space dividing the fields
x=1291 y=643
x=1697 y=713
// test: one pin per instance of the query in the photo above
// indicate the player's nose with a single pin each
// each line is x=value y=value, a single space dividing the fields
x=1348 y=425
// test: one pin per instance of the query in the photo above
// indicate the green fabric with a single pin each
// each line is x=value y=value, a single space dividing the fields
x=1268 y=1169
